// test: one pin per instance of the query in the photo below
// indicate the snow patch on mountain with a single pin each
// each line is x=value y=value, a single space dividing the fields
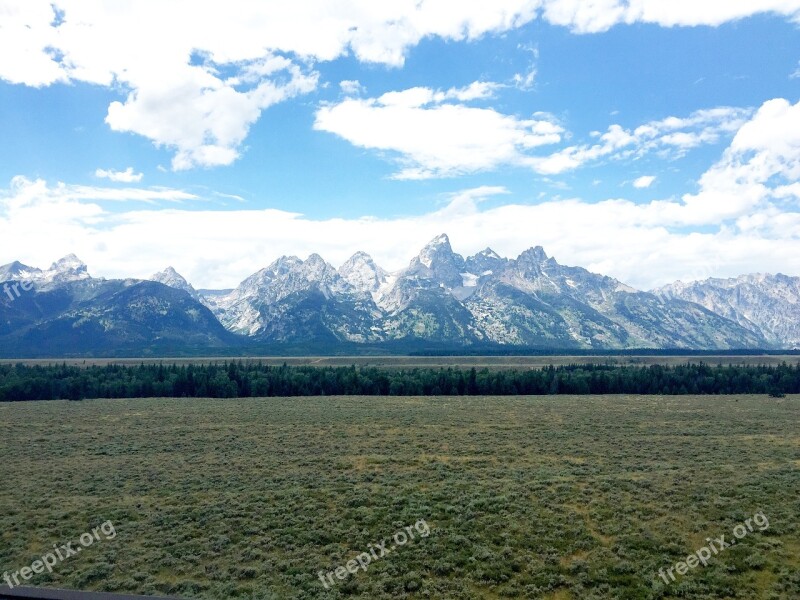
x=64 y=270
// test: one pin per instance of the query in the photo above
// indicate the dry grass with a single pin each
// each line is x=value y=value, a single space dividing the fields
x=527 y=497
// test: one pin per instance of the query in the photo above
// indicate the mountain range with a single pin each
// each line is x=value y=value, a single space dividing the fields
x=440 y=300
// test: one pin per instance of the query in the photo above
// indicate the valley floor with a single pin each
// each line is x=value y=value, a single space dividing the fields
x=524 y=497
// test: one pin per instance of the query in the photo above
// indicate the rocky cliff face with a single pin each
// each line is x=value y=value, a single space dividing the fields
x=765 y=304
x=440 y=298
x=443 y=297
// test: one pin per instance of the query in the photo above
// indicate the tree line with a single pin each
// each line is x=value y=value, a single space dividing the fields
x=240 y=380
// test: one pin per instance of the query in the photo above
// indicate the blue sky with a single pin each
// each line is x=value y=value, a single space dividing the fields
x=647 y=145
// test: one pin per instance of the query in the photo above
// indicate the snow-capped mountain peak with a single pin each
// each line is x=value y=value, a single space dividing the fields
x=435 y=250
x=69 y=268
x=486 y=262
x=64 y=270
x=16 y=271
x=70 y=261
x=531 y=300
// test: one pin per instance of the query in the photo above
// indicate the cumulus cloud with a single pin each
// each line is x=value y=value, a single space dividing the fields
x=644 y=182
x=593 y=16
x=435 y=133
x=670 y=138
x=351 y=87
x=761 y=166
x=745 y=217
x=196 y=75
x=126 y=176
x=202 y=117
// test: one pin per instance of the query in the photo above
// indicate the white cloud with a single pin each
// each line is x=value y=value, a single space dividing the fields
x=351 y=87
x=593 y=16
x=477 y=90
x=645 y=244
x=644 y=182
x=126 y=176
x=197 y=75
x=204 y=118
x=25 y=192
x=434 y=134
x=671 y=137
x=525 y=80
x=761 y=165
x=745 y=217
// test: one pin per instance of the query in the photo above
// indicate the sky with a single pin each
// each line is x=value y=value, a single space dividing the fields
x=647 y=140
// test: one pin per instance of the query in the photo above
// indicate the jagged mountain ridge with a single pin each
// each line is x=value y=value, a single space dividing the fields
x=763 y=303
x=440 y=298
x=64 y=270
x=63 y=311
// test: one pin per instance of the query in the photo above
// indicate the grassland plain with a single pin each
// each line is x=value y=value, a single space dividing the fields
x=526 y=497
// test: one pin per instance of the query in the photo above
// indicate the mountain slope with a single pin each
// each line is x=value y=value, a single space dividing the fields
x=574 y=307
x=440 y=300
x=69 y=314
x=170 y=277
x=766 y=304
x=64 y=270
x=296 y=300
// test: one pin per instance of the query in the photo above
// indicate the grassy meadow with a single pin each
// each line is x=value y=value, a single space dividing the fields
x=526 y=497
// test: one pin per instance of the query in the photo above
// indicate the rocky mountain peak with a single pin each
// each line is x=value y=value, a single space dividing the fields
x=17 y=270
x=170 y=277
x=435 y=251
x=69 y=268
x=70 y=261
x=438 y=262
x=315 y=259
x=535 y=255
x=316 y=270
x=361 y=272
x=167 y=274
x=485 y=262
x=763 y=303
